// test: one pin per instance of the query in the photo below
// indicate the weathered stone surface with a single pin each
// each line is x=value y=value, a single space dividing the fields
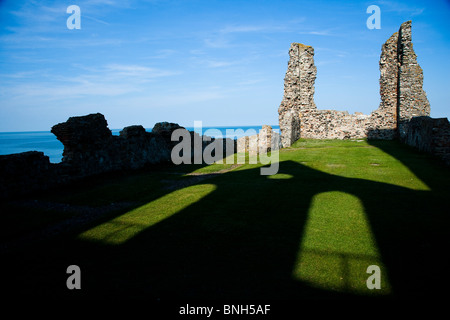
x=403 y=111
x=165 y=129
x=275 y=143
x=266 y=140
x=383 y=122
x=253 y=144
x=430 y=135
x=242 y=144
x=90 y=149
x=132 y=131
x=330 y=124
x=412 y=100
x=289 y=121
x=298 y=91
x=402 y=97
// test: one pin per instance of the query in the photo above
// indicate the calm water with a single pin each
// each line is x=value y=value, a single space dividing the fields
x=45 y=141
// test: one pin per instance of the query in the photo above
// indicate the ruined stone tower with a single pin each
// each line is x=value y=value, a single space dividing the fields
x=298 y=96
x=411 y=98
x=402 y=97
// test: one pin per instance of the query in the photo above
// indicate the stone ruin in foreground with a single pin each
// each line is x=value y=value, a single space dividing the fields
x=403 y=112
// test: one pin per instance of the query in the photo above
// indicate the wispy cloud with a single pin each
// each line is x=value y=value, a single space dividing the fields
x=106 y=3
x=226 y=36
x=109 y=80
x=20 y=75
x=169 y=99
x=52 y=91
x=242 y=29
x=95 y=19
x=317 y=33
x=162 y=54
x=325 y=62
x=218 y=64
x=334 y=52
x=217 y=42
x=121 y=72
x=393 y=6
x=33 y=11
x=185 y=98
x=36 y=41
x=251 y=82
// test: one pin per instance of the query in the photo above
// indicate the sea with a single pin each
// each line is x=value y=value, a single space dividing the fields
x=45 y=141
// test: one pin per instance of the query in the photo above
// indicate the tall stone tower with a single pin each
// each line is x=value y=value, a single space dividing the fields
x=411 y=98
x=384 y=119
x=298 y=98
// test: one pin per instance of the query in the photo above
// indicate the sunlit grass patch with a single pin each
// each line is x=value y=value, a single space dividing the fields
x=353 y=159
x=126 y=226
x=338 y=246
x=280 y=176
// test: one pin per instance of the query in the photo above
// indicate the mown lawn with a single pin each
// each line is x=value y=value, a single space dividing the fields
x=312 y=230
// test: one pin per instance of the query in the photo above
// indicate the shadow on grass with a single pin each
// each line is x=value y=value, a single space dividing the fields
x=244 y=240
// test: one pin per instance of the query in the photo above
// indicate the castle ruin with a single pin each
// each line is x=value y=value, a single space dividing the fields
x=90 y=148
x=402 y=97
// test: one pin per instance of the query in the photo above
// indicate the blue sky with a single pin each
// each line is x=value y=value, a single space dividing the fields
x=220 y=62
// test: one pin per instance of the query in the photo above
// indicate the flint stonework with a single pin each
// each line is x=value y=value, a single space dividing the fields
x=401 y=92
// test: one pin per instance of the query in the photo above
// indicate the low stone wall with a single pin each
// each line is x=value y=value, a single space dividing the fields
x=430 y=135
x=331 y=124
x=27 y=171
x=91 y=149
x=263 y=142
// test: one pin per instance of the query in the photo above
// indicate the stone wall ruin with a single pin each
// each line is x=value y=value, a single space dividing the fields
x=402 y=97
x=263 y=142
x=91 y=149
x=403 y=112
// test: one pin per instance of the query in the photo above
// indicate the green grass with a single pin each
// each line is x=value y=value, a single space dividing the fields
x=333 y=209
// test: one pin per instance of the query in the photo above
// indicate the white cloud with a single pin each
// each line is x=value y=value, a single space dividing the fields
x=217 y=42
x=109 y=80
x=326 y=32
x=393 y=6
x=95 y=19
x=325 y=62
x=136 y=71
x=250 y=82
x=218 y=64
x=241 y=29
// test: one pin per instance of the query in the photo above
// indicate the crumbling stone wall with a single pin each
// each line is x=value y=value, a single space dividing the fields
x=383 y=121
x=402 y=97
x=263 y=142
x=298 y=97
x=331 y=124
x=430 y=135
x=412 y=100
x=28 y=171
x=90 y=149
